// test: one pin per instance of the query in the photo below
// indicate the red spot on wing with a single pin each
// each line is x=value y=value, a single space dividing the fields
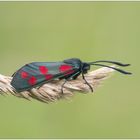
x=32 y=80
x=43 y=69
x=64 y=68
x=48 y=76
x=69 y=72
x=24 y=74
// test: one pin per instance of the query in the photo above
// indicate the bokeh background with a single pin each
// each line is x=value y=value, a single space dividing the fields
x=54 y=31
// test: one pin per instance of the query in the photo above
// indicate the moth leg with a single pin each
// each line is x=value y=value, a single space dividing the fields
x=74 y=76
x=63 y=86
x=87 y=82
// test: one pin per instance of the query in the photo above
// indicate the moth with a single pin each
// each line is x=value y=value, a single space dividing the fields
x=36 y=74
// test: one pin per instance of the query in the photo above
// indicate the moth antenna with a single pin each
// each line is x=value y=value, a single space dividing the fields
x=119 y=70
x=113 y=62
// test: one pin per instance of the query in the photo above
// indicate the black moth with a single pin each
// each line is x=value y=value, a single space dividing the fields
x=37 y=73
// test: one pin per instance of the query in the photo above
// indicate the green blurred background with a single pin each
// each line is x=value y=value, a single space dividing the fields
x=53 y=31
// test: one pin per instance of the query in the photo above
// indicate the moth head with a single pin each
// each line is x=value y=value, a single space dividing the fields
x=85 y=67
